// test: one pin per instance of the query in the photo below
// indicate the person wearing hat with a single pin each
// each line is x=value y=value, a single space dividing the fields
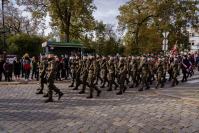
x=51 y=75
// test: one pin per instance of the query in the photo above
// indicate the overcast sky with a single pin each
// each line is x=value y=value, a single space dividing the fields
x=107 y=10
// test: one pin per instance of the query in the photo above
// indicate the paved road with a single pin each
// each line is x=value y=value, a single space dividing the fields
x=134 y=112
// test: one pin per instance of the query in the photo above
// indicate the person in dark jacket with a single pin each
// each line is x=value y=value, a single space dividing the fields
x=8 y=70
x=1 y=67
x=17 y=68
x=185 y=65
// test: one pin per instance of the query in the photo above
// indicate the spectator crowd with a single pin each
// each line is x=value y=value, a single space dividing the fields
x=27 y=68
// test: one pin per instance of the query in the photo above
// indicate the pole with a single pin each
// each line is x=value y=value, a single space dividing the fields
x=2 y=4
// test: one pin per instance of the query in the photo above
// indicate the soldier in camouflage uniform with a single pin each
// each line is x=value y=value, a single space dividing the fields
x=73 y=70
x=111 y=74
x=51 y=75
x=122 y=76
x=84 y=73
x=42 y=72
x=133 y=72
x=79 y=66
x=92 y=78
x=160 y=73
x=144 y=69
x=175 y=71
x=104 y=71
x=98 y=61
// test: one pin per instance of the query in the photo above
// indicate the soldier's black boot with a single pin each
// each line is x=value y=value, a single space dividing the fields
x=141 y=89
x=124 y=88
x=132 y=86
x=45 y=95
x=75 y=88
x=116 y=87
x=90 y=96
x=110 y=87
x=49 y=100
x=60 y=95
x=39 y=92
x=91 y=93
x=98 y=93
x=119 y=93
x=82 y=92
x=71 y=85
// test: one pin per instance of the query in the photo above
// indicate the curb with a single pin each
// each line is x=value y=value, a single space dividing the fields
x=24 y=83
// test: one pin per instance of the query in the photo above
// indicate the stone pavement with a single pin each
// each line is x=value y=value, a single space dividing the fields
x=21 y=111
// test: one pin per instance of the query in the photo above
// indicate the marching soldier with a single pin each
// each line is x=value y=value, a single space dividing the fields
x=79 y=64
x=111 y=74
x=175 y=71
x=122 y=76
x=91 y=78
x=160 y=74
x=134 y=72
x=84 y=74
x=104 y=71
x=72 y=68
x=42 y=72
x=51 y=75
x=144 y=69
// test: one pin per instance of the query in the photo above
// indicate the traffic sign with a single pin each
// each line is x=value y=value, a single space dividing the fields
x=165 y=41
x=165 y=34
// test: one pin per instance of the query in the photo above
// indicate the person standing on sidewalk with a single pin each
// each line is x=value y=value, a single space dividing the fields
x=17 y=68
x=26 y=66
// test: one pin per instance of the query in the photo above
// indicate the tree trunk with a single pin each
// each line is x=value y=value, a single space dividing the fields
x=68 y=27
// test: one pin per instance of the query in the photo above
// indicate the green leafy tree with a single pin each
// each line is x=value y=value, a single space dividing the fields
x=144 y=21
x=73 y=17
x=24 y=43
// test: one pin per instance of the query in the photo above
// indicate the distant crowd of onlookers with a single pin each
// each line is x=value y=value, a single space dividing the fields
x=27 y=68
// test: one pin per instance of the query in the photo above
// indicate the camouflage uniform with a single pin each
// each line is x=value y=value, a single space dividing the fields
x=42 y=72
x=134 y=72
x=122 y=76
x=111 y=74
x=84 y=75
x=91 y=79
x=104 y=72
x=51 y=75
x=78 y=74
x=144 y=69
x=160 y=74
x=175 y=72
x=73 y=70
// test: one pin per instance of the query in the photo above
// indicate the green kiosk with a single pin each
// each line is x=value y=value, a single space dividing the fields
x=63 y=48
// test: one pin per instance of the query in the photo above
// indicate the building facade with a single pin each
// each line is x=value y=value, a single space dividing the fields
x=193 y=40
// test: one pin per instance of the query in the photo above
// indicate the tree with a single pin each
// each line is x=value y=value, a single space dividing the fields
x=73 y=17
x=24 y=43
x=15 y=22
x=144 y=21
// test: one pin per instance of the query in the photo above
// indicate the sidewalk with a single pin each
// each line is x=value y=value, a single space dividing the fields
x=22 y=81
x=187 y=91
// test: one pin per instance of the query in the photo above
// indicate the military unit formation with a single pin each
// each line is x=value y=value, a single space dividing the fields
x=119 y=73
